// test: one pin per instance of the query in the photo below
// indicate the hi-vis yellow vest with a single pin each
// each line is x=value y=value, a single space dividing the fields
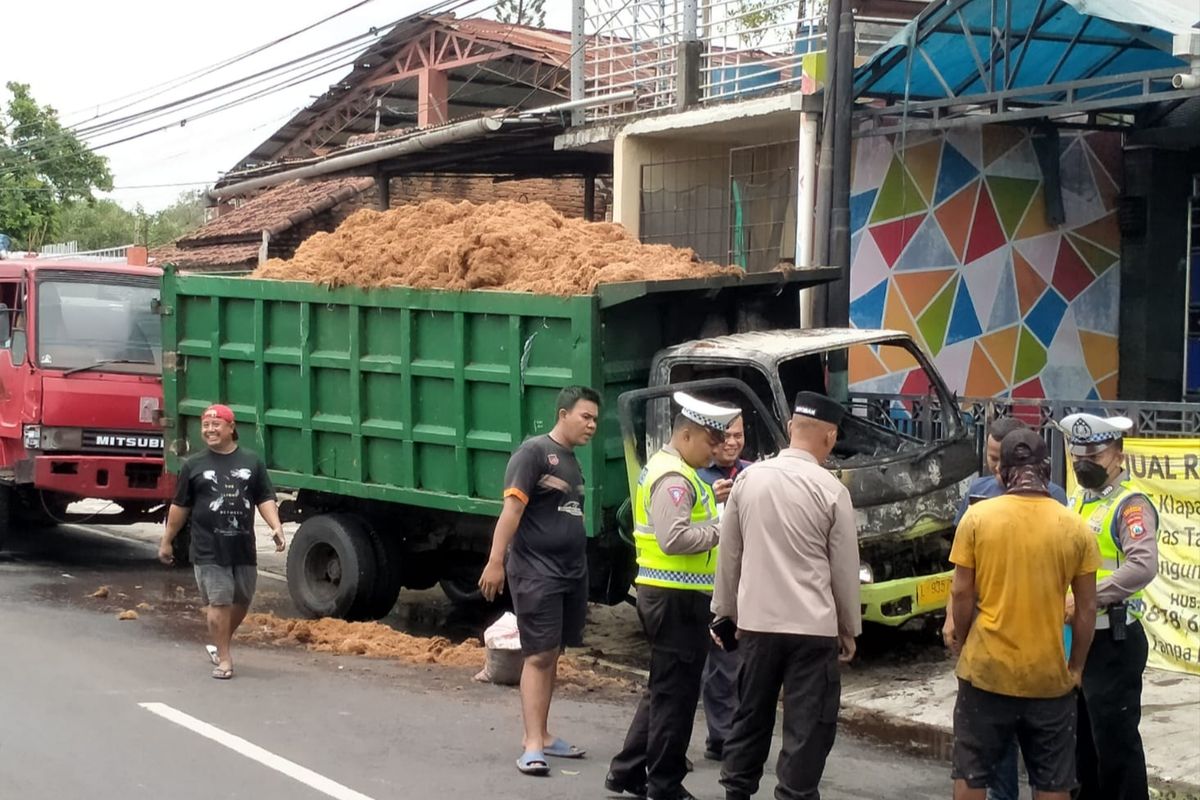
x=1100 y=515
x=656 y=568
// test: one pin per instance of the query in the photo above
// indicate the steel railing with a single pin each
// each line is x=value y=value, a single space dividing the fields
x=921 y=416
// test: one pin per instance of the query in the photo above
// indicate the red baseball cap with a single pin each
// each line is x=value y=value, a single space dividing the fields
x=219 y=411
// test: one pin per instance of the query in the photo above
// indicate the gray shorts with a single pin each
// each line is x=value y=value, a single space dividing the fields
x=226 y=586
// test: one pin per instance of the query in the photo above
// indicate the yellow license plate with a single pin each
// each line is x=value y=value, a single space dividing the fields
x=934 y=590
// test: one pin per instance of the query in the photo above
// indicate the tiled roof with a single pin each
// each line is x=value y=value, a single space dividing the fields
x=206 y=256
x=275 y=211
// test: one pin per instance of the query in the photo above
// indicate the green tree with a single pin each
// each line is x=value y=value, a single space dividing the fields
x=181 y=217
x=97 y=225
x=522 y=12
x=44 y=167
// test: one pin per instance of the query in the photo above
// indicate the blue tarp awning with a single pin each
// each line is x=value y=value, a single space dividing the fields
x=966 y=48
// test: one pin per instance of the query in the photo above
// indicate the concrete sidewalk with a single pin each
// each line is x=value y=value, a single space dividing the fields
x=914 y=708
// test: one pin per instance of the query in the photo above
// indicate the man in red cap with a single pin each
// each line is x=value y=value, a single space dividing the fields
x=218 y=490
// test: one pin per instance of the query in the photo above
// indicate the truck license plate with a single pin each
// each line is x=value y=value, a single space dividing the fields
x=934 y=590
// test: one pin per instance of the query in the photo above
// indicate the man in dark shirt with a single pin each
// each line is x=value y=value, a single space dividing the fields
x=219 y=490
x=720 y=668
x=542 y=520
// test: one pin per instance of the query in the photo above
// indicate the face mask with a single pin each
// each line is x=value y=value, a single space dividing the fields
x=1091 y=475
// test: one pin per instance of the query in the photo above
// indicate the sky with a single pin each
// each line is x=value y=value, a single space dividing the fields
x=87 y=60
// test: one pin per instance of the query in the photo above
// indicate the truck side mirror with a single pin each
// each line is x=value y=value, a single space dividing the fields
x=18 y=347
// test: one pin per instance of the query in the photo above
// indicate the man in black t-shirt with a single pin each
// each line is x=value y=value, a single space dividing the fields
x=542 y=519
x=219 y=490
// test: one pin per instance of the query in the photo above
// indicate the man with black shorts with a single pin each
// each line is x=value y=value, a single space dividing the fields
x=219 y=490
x=542 y=519
x=1015 y=556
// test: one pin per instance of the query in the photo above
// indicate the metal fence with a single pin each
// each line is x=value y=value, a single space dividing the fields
x=745 y=47
x=921 y=416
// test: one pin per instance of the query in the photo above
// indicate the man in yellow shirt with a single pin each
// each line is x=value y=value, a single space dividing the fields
x=1015 y=556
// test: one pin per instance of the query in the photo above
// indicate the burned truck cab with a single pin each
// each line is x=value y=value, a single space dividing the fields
x=906 y=461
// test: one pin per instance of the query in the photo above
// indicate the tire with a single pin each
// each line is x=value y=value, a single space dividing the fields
x=382 y=600
x=461 y=591
x=332 y=567
x=181 y=546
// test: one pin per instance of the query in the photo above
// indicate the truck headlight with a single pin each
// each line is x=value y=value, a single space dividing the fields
x=865 y=573
x=32 y=435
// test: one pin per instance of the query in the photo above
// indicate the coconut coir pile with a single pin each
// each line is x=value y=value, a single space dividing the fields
x=373 y=640
x=518 y=247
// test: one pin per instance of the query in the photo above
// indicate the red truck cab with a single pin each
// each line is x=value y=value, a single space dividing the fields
x=80 y=388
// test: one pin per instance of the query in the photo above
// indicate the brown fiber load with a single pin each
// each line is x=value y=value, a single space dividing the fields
x=518 y=247
x=375 y=640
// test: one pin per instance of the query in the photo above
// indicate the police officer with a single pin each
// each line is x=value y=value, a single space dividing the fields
x=1110 y=758
x=675 y=530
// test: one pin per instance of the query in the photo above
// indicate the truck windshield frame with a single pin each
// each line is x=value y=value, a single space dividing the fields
x=97 y=321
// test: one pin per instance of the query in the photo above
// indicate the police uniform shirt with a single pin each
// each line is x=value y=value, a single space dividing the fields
x=789 y=551
x=1136 y=522
x=671 y=502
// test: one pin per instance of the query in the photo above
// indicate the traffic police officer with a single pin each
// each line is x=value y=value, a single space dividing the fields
x=675 y=530
x=1110 y=758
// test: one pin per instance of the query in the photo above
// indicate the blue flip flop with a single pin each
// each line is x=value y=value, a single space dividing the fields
x=533 y=762
x=560 y=749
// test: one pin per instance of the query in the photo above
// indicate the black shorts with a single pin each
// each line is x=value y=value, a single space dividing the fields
x=984 y=726
x=550 y=612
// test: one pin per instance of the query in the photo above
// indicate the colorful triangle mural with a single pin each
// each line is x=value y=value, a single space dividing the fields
x=1029 y=284
x=955 y=173
x=964 y=322
x=922 y=162
x=1031 y=357
x=1012 y=197
x=899 y=196
x=934 y=319
x=893 y=237
x=867 y=311
x=982 y=378
x=1071 y=274
x=1002 y=347
x=919 y=288
x=954 y=216
x=986 y=233
x=1097 y=258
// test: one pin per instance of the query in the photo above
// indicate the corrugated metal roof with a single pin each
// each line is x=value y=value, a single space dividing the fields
x=1049 y=41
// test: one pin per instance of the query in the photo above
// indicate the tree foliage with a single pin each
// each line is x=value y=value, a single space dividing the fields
x=44 y=168
x=104 y=223
x=522 y=12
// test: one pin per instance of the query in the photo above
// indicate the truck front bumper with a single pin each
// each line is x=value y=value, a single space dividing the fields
x=896 y=602
x=102 y=477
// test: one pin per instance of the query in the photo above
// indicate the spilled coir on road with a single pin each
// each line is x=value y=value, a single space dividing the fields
x=517 y=247
x=375 y=640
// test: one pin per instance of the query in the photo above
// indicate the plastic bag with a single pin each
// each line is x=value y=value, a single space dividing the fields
x=504 y=660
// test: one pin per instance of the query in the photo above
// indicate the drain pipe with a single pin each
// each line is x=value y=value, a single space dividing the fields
x=1187 y=45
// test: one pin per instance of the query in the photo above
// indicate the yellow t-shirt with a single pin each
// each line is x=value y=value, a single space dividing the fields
x=1025 y=550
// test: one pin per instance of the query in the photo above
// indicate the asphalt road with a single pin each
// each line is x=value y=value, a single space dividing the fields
x=96 y=708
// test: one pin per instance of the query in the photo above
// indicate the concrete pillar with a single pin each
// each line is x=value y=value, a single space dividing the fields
x=629 y=153
x=432 y=105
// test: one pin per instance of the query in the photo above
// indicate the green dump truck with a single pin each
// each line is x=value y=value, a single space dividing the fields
x=390 y=415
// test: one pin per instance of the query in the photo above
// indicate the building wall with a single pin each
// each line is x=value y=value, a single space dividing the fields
x=950 y=242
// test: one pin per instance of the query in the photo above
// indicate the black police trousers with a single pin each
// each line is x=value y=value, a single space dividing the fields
x=676 y=625
x=1109 y=755
x=806 y=667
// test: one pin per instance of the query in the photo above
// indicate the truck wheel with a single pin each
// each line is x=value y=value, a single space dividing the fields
x=331 y=566
x=463 y=590
x=382 y=598
x=181 y=546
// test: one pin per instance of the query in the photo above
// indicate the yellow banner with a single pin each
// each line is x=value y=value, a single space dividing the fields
x=1168 y=472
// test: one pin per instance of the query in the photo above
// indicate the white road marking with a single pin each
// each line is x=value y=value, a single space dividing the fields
x=255 y=753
